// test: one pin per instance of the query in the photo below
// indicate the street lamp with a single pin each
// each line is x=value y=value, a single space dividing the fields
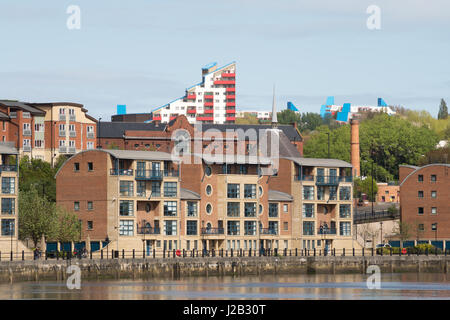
x=381 y=232
x=328 y=144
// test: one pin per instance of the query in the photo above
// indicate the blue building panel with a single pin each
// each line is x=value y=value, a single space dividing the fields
x=381 y=102
x=330 y=101
x=292 y=107
x=121 y=109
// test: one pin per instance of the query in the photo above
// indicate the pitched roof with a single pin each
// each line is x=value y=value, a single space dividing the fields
x=22 y=105
x=275 y=195
x=318 y=162
x=186 y=194
x=8 y=148
x=117 y=129
x=4 y=116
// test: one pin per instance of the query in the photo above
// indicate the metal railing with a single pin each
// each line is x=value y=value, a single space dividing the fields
x=212 y=231
x=9 y=168
x=155 y=174
x=269 y=231
x=72 y=117
x=363 y=217
x=148 y=230
x=324 y=230
x=90 y=135
x=27 y=132
x=121 y=172
x=71 y=150
x=72 y=134
x=27 y=148
x=324 y=180
x=62 y=117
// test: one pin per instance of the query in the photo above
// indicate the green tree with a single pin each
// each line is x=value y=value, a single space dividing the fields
x=439 y=155
x=68 y=226
x=403 y=230
x=288 y=117
x=310 y=121
x=443 y=110
x=247 y=119
x=365 y=187
x=37 y=216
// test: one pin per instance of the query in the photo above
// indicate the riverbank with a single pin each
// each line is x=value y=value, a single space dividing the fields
x=174 y=268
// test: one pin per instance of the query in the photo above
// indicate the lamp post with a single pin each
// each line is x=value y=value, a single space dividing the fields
x=381 y=232
x=328 y=144
x=11 y=231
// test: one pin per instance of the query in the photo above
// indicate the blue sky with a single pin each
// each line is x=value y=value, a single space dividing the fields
x=145 y=53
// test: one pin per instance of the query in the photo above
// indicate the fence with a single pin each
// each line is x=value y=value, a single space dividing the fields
x=194 y=253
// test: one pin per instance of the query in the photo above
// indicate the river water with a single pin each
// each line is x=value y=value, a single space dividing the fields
x=341 y=287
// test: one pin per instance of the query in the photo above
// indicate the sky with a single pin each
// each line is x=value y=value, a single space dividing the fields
x=145 y=53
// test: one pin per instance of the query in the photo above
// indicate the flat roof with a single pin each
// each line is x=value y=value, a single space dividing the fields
x=320 y=162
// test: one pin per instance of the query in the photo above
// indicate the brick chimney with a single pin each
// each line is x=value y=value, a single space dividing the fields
x=354 y=146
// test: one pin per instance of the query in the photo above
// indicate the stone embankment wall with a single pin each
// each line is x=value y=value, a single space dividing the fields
x=173 y=268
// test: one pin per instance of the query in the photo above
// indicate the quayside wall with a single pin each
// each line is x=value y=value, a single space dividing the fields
x=173 y=268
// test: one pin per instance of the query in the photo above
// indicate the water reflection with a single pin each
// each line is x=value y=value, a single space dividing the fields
x=353 y=286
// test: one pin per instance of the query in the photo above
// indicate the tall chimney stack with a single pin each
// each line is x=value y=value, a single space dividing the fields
x=354 y=146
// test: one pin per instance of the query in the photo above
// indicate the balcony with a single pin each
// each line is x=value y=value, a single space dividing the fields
x=27 y=132
x=205 y=118
x=208 y=96
x=209 y=111
x=156 y=175
x=231 y=96
x=230 y=90
x=72 y=117
x=62 y=133
x=224 y=82
x=62 y=117
x=72 y=134
x=326 y=230
x=13 y=115
x=233 y=118
x=268 y=231
x=209 y=104
x=228 y=75
x=231 y=104
x=71 y=150
x=90 y=135
x=191 y=96
x=191 y=111
x=304 y=178
x=148 y=230
x=233 y=111
x=62 y=150
x=327 y=180
x=212 y=231
x=121 y=172
x=345 y=179
x=8 y=168
x=157 y=117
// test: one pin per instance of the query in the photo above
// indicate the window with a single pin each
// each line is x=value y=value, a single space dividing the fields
x=38 y=143
x=308 y=228
x=273 y=210
x=76 y=206
x=421 y=227
x=76 y=166
x=170 y=189
x=344 y=211
x=333 y=193
x=286 y=226
x=208 y=208
x=90 y=166
x=126 y=208
x=249 y=228
x=233 y=209
x=433 y=226
x=233 y=191
x=308 y=210
x=420 y=178
x=433 y=178
x=250 y=209
x=156 y=189
x=8 y=185
x=250 y=191
x=90 y=205
x=226 y=169
x=308 y=193
x=273 y=227
x=320 y=193
x=344 y=193
x=344 y=228
x=191 y=228
x=285 y=208
x=170 y=208
x=8 y=206
x=141 y=188
x=8 y=227
x=433 y=194
x=191 y=209
x=170 y=227
x=126 y=227
x=260 y=191
x=90 y=225
x=433 y=210
x=243 y=169
x=208 y=190
x=90 y=145
x=126 y=188
x=62 y=111
x=420 y=210
x=233 y=228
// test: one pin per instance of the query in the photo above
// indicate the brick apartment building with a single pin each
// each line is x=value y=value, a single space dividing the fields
x=47 y=130
x=151 y=199
x=388 y=193
x=425 y=203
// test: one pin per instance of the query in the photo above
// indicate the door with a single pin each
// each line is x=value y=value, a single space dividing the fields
x=149 y=247
x=156 y=168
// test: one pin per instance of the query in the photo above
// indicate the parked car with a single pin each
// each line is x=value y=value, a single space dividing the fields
x=383 y=245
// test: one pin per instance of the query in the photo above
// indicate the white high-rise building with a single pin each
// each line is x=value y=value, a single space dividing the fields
x=211 y=101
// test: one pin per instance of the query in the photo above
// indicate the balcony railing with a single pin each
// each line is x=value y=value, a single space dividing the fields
x=345 y=179
x=327 y=180
x=212 y=231
x=62 y=117
x=148 y=230
x=72 y=117
x=62 y=133
x=62 y=149
x=72 y=134
x=121 y=172
x=155 y=174
x=90 y=135
x=27 y=132
x=8 y=168
x=270 y=231
x=141 y=194
x=325 y=230
x=304 y=178
x=71 y=150
x=27 y=148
